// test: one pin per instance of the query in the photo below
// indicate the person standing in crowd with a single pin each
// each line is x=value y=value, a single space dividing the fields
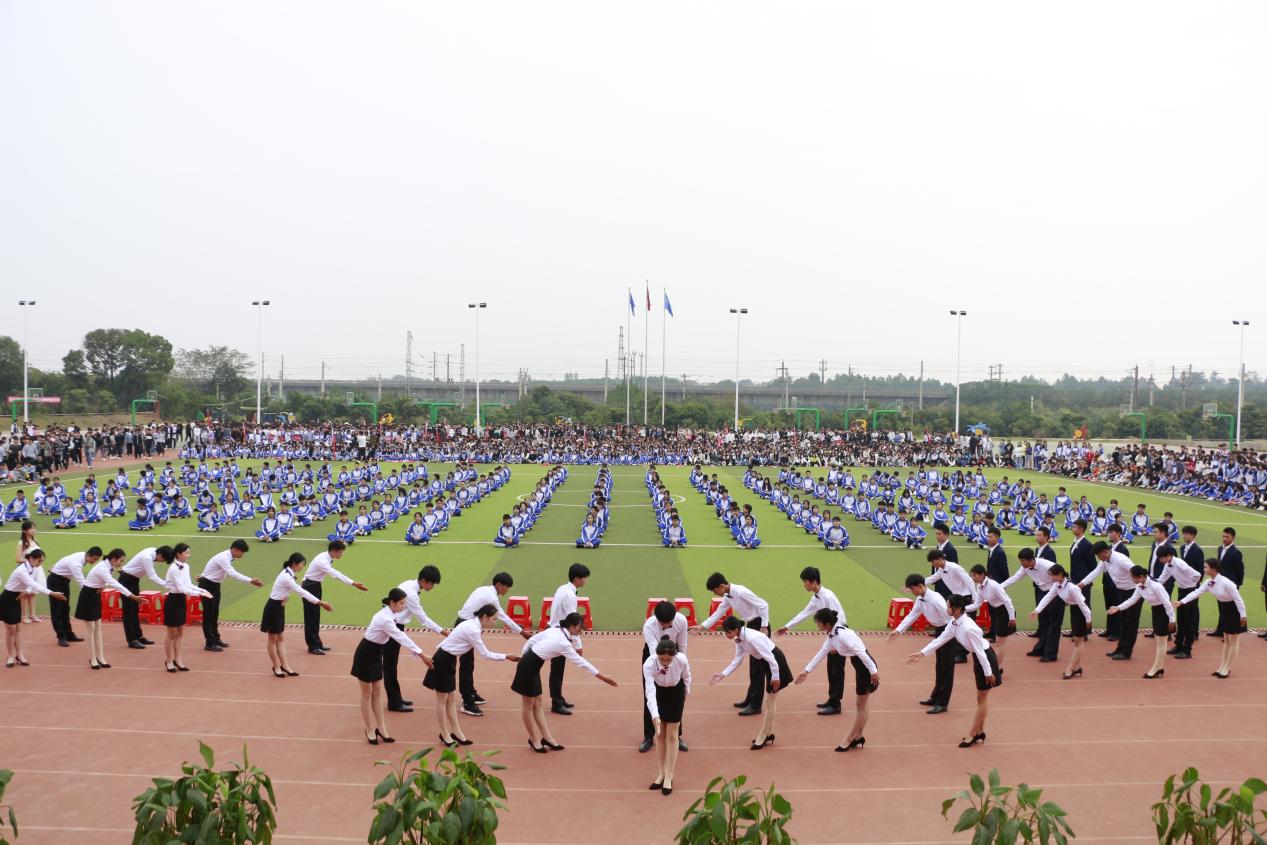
x=322 y=567
x=22 y=580
x=1163 y=614
x=665 y=622
x=931 y=606
x=367 y=663
x=1232 y=616
x=27 y=542
x=273 y=620
x=823 y=598
x=1175 y=568
x=739 y=600
x=985 y=666
x=179 y=584
x=1002 y=611
x=428 y=578
x=1232 y=564
x=1064 y=590
x=666 y=679
x=773 y=669
x=66 y=570
x=88 y=606
x=845 y=643
x=479 y=597
x=142 y=563
x=218 y=568
x=941 y=532
x=1117 y=567
x=563 y=605
x=1049 y=624
x=442 y=676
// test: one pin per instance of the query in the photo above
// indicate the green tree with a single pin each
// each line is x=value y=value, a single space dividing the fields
x=218 y=370
x=10 y=365
x=128 y=362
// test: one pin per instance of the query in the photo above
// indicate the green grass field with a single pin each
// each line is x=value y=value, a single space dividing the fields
x=632 y=565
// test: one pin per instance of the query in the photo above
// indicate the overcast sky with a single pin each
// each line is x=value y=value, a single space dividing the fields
x=1087 y=179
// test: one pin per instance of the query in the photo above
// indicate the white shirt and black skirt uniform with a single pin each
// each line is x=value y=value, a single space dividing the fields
x=88 y=605
x=544 y=646
x=1154 y=592
x=666 y=687
x=985 y=663
x=771 y=664
x=273 y=620
x=179 y=584
x=466 y=637
x=1231 y=604
x=21 y=582
x=367 y=662
x=844 y=642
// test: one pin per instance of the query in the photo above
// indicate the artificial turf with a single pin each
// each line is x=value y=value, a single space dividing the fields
x=631 y=565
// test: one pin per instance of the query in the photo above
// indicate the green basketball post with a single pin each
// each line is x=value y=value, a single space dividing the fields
x=373 y=406
x=799 y=412
x=1143 y=425
x=1231 y=425
x=875 y=416
x=849 y=412
x=433 y=409
x=136 y=402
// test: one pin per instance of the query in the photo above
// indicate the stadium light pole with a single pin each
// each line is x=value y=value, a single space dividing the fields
x=958 y=315
x=1240 y=381
x=259 y=372
x=738 y=312
x=477 y=307
x=26 y=389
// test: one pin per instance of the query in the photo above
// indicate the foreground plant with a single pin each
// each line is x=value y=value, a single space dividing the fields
x=454 y=802
x=233 y=807
x=5 y=777
x=732 y=814
x=1004 y=815
x=1189 y=812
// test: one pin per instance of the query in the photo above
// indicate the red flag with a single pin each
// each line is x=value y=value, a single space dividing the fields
x=648 y=298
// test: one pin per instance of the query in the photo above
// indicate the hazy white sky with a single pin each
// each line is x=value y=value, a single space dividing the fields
x=1088 y=179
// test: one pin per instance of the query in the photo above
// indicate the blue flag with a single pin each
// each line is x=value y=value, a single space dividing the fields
x=633 y=309
x=667 y=307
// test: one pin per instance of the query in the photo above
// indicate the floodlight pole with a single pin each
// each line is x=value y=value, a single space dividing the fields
x=738 y=312
x=26 y=385
x=1240 y=381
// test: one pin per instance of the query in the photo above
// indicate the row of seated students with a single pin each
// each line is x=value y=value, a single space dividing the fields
x=524 y=515
x=596 y=520
x=668 y=520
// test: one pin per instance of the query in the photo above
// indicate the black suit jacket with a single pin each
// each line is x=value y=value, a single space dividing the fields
x=1046 y=553
x=1122 y=548
x=1081 y=560
x=996 y=564
x=1194 y=557
x=1233 y=564
x=949 y=551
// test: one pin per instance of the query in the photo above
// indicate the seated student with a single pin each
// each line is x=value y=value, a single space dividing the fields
x=1085 y=509
x=915 y=534
x=303 y=513
x=91 y=510
x=1141 y=526
x=836 y=537
x=862 y=510
x=362 y=522
x=506 y=536
x=378 y=520
x=180 y=508
x=959 y=524
x=270 y=529
x=47 y=502
x=143 y=520
x=1005 y=517
x=232 y=511
x=976 y=531
x=748 y=538
x=674 y=535
x=344 y=530
x=286 y=520
x=1062 y=501
x=159 y=511
x=328 y=504
x=389 y=511
x=813 y=522
x=1050 y=524
x=204 y=501
x=1172 y=529
x=18 y=509
x=591 y=536
x=67 y=516
x=794 y=510
x=1029 y=523
x=416 y=534
x=888 y=519
x=209 y=520
x=898 y=532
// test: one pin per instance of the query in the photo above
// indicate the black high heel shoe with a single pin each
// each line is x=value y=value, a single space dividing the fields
x=855 y=743
x=289 y=673
x=448 y=743
x=666 y=790
x=181 y=667
x=1156 y=674
x=170 y=667
x=278 y=673
x=968 y=743
x=384 y=737
x=540 y=749
x=461 y=741
x=104 y=665
x=372 y=740
x=551 y=745
x=93 y=666
x=656 y=786
x=1075 y=673
x=768 y=741
x=1220 y=675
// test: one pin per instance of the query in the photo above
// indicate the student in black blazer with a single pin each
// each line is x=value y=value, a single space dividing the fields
x=1054 y=615
x=1113 y=628
x=1232 y=562
x=1081 y=557
x=996 y=559
x=941 y=531
x=1194 y=556
x=1161 y=538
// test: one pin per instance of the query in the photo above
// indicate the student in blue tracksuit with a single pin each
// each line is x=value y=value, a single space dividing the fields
x=836 y=537
x=417 y=534
x=591 y=535
x=506 y=536
x=747 y=538
x=344 y=530
x=210 y=519
x=674 y=535
x=143 y=520
x=270 y=529
x=68 y=516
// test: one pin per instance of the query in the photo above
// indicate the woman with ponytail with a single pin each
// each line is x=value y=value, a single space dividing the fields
x=180 y=586
x=273 y=622
x=367 y=664
x=442 y=676
x=841 y=640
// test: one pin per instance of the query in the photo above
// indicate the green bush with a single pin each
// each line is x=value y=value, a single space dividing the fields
x=1004 y=815
x=454 y=802
x=233 y=807
x=5 y=777
x=1189 y=812
x=732 y=814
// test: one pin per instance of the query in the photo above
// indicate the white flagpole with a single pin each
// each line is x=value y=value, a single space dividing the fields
x=628 y=356
x=664 y=321
x=646 y=344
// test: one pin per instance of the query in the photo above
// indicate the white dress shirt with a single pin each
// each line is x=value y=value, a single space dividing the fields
x=1185 y=576
x=220 y=567
x=652 y=632
x=966 y=632
x=1152 y=592
x=1068 y=592
x=555 y=642
x=654 y=675
x=846 y=643
x=142 y=563
x=71 y=566
x=992 y=593
x=22 y=580
x=1119 y=568
x=824 y=598
x=383 y=627
x=323 y=565
x=753 y=643
x=413 y=607
x=564 y=603
x=481 y=596
x=101 y=576
x=743 y=603
x=1222 y=588
x=953 y=576
x=1038 y=574
x=468 y=636
x=285 y=584
x=932 y=607
x=180 y=580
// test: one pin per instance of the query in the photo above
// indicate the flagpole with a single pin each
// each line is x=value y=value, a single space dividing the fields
x=646 y=344
x=628 y=354
x=664 y=295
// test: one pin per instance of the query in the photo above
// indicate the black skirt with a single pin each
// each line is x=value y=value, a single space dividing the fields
x=862 y=683
x=88 y=605
x=175 y=610
x=442 y=677
x=274 y=619
x=527 y=680
x=994 y=669
x=367 y=663
x=670 y=701
x=1229 y=618
x=1000 y=624
x=1161 y=622
x=785 y=672
x=10 y=608
x=1078 y=623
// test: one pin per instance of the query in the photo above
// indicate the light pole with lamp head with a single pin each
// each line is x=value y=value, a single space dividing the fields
x=259 y=372
x=958 y=315
x=26 y=390
x=738 y=312
x=477 y=307
x=1240 y=381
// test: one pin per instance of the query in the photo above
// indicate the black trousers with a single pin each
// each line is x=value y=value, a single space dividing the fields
x=210 y=612
x=1111 y=598
x=131 y=610
x=1186 y=622
x=944 y=671
x=1050 y=623
x=59 y=611
x=391 y=659
x=836 y=678
x=312 y=617
x=557 y=664
x=1129 y=632
x=466 y=672
x=648 y=729
x=756 y=673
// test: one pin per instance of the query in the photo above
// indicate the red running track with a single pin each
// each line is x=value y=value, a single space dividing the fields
x=84 y=743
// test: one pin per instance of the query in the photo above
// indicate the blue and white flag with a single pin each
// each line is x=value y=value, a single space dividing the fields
x=667 y=306
x=633 y=309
